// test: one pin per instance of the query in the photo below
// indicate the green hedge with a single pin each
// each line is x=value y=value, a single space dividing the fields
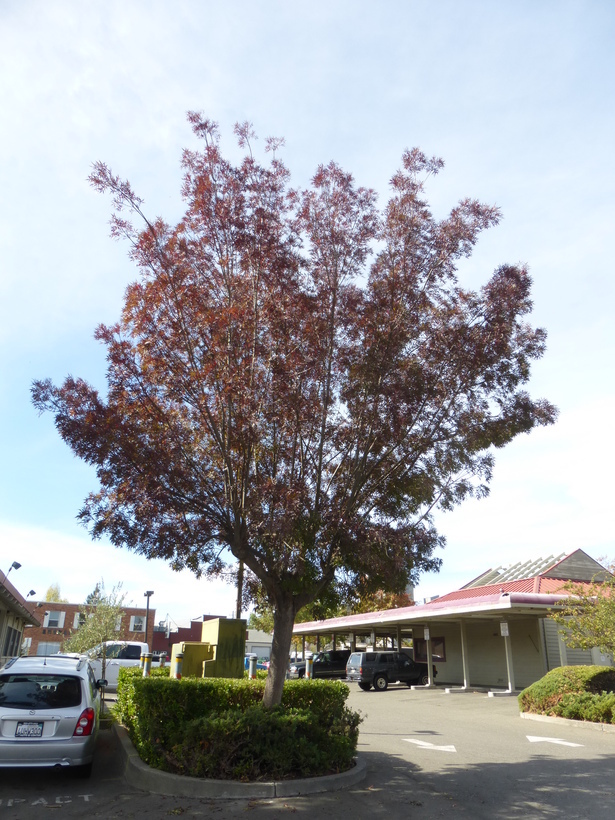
x=218 y=728
x=575 y=692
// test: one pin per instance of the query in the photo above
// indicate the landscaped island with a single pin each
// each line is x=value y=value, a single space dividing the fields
x=218 y=728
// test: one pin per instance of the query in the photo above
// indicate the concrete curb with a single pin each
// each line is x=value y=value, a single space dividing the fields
x=577 y=724
x=144 y=777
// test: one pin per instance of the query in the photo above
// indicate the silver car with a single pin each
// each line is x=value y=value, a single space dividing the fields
x=49 y=712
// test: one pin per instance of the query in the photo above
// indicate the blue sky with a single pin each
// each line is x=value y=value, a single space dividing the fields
x=517 y=97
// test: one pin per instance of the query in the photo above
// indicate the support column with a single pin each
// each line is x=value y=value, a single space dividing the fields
x=429 y=656
x=464 y=655
x=563 y=653
x=509 y=664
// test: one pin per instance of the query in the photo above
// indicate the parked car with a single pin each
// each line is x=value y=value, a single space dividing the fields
x=328 y=664
x=263 y=665
x=380 y=668
x=49 y=712
x=118 y=654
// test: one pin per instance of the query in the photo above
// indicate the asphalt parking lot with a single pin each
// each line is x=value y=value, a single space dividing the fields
x=428 y=755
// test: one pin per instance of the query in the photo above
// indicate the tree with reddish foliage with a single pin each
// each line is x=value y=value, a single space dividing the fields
x=297 y=380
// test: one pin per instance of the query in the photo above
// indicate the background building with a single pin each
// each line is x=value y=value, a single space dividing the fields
x=54 y=622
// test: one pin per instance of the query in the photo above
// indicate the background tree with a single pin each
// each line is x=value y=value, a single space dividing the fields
x=375 y=601
x=53 y=595
x=94 y=595
x=103 y=614
x=276 y=400
x=588 y=617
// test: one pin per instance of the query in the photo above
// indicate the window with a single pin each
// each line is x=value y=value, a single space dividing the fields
x=54 y=619
x=113 y=650
x=137 y=623
x=12 y=641
x=438 y=650
x=131 y=652
x=47 y=648
x=78 y=620
x=39 y=691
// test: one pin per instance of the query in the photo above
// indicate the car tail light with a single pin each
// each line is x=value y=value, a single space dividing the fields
x=85 y=724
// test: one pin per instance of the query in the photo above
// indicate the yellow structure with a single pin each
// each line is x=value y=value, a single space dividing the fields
x=195 y=654
x=227 y=636
x=219 y=654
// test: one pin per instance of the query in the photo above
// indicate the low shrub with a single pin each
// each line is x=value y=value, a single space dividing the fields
x=217 y=727
x=258 y=743
x=575 y=692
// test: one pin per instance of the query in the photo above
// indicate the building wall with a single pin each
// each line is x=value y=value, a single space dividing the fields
x=574 y=657
x=487 y=653
x=528 y=656
x=62 y=621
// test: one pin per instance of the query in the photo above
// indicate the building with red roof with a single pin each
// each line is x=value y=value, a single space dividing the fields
x=494 y=632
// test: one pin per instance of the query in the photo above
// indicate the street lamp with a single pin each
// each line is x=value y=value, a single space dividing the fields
x=147 y=595
x=14 y=565
x=32 y=592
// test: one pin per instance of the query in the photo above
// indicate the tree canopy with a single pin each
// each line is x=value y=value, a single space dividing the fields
x=53 y=595
x=102 y=613
x=298 y=380
x=588 y=617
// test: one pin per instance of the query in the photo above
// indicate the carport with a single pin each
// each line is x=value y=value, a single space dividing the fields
x=495 y=640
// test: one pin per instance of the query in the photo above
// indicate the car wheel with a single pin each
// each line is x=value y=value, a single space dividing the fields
x=425 y=679
x=301 y=673
x=381 y=683
x=365 y=686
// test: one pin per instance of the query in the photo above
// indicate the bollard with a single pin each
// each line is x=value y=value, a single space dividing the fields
x=163 y=660
x=142 y=660
x=252 y=667
x=176 y=672
x=309 y=668
x=147 y=664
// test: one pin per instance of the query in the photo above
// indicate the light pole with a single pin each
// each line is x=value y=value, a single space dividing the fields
x=14 y=565
x=147 y=595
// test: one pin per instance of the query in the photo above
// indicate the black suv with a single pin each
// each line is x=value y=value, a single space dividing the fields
x=378 y=669
x=329 y=664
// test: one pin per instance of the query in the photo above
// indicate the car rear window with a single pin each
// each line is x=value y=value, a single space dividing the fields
x=39 y=691
x=354 y=659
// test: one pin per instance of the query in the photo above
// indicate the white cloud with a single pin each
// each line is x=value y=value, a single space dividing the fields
x=77 y=564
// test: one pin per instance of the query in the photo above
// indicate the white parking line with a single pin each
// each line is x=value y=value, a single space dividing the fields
x=535 y=739
x=425 y=745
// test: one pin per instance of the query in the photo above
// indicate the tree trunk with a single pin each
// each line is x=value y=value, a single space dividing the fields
x=239 y=601
x=283 y=622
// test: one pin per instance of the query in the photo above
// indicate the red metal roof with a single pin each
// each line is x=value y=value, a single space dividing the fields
x=535 y=585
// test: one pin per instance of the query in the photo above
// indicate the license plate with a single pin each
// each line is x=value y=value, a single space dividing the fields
x=29 y=730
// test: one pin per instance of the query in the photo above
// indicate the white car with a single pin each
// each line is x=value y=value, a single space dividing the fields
x=49 y=712
x=118 y=654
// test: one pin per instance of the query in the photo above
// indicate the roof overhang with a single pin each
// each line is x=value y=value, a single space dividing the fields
x=512 y=604
x=16 y=604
